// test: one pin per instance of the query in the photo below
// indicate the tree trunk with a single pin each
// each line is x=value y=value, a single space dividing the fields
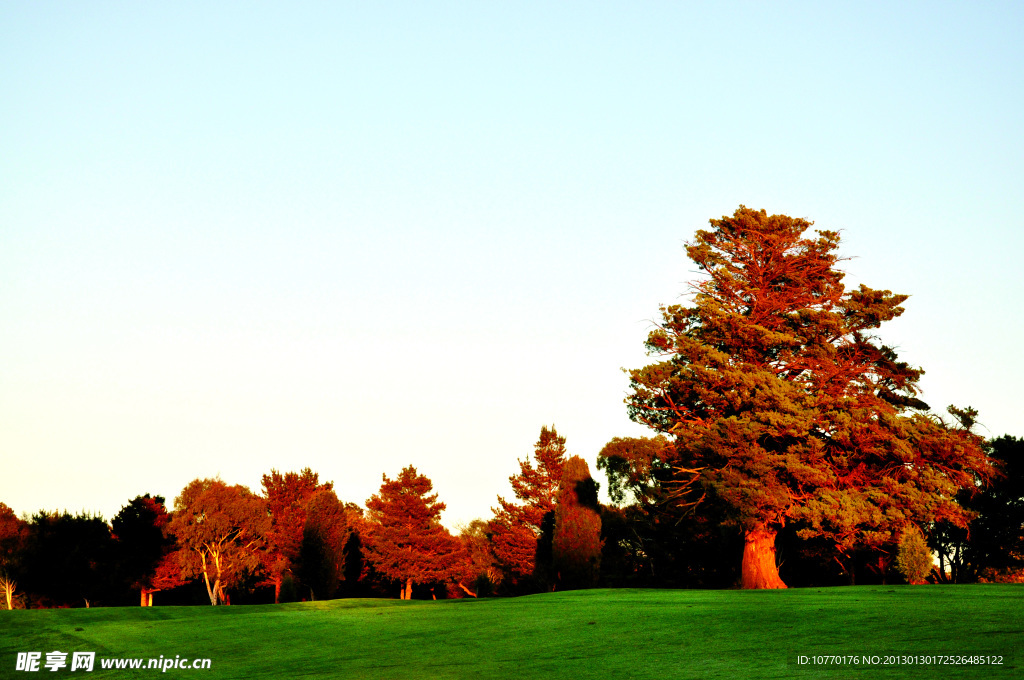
x=407 y=592
x=150 y=602
x=143 y=600
x=211 y=590
x=759 y=568
x=277 y=590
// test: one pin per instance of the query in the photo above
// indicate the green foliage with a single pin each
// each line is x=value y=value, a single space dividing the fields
x=913 y=557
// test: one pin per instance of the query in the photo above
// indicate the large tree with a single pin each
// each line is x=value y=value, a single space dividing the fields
x=517 y=526
x=992 y=546
x=407 y=542
x=221 y=530
x=784 y=404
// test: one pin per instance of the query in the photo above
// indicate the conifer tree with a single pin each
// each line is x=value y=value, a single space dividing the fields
x=516 y=527
x=781 y=400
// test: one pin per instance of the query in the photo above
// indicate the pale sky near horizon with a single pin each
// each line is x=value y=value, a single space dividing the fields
x=357 y=236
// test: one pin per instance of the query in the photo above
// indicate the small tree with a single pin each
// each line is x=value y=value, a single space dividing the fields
x=407 y=542
x=576 y=543
x=12 y=534
x=993 y=547
x=913 y=558
x=221 y=529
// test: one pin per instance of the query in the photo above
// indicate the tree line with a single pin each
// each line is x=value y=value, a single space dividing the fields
x=791 y=448
x=297 y=541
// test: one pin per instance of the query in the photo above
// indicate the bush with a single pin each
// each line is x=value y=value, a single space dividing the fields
x=914 y=558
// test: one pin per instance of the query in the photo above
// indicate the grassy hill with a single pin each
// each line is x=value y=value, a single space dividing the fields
x=656 y=634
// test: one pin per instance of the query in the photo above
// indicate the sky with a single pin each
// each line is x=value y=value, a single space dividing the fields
x=244 y=236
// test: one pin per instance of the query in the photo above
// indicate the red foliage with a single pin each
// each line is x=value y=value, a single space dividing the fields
x=406 y=540
x=783 y=403
x=516 y=527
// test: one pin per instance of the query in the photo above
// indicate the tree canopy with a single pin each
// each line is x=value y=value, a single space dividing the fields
x=141 y=543
x=781 y=401
x=407 y=542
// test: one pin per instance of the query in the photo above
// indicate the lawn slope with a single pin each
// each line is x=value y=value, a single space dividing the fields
x=658 y=634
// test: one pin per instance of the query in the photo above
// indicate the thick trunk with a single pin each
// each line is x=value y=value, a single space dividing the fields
x=144 y=599
x=407 y=592
x=149 y=603
x=759 y=569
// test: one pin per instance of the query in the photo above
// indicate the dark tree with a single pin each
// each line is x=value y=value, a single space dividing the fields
x=352 y=571
x=140 y=543
x=67 y=559
x=668 y=531
x=992 y=546
x=407 y=542
x=12 y=537
x=783 y=403
x=321 y=561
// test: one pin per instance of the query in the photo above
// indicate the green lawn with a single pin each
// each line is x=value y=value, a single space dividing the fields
x=660 y=634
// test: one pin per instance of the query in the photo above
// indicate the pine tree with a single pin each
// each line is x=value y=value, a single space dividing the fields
x=407 y=542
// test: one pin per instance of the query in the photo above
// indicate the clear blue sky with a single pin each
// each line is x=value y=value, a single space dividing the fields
x=239 y=236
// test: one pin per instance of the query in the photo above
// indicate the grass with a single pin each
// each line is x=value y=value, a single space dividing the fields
x=658 y=634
